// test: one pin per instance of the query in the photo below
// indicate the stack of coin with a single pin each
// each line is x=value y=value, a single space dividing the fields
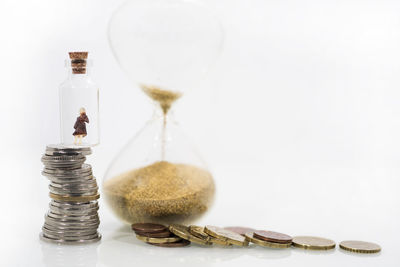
x=269 y=239
x=157 y=235
x=72 y=218
x=177 y=235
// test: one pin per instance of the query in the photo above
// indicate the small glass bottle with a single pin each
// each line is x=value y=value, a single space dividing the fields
x=79 y=104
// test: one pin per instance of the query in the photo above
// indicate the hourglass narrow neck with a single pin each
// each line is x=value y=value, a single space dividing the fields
x=158 y=113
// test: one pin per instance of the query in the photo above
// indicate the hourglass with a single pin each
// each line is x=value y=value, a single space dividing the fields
x=166 y=47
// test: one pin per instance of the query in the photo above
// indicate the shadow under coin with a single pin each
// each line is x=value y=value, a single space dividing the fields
x=314 y=252
x=55 y=255
x=269 y=253
x=360 y=255
x=122 y=249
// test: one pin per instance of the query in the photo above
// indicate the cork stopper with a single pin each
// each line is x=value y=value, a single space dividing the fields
x=78 y=62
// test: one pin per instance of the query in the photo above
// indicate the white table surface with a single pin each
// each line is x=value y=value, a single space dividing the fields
x=301 y=129
x=119 y=247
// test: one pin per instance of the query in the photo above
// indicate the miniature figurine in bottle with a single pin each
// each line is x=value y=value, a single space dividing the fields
x=79 y=93
x=80 y=126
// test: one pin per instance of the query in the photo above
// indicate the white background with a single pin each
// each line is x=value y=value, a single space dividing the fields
x=299 y=121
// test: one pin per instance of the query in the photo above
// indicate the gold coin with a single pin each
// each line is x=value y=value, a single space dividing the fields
x=218 y=241
x=74 y=199
x=183 y=232
x=313 y=243
x=198 y=231
x=250 y=238
x=360 y=246
x=226 y=235
x=158 y=240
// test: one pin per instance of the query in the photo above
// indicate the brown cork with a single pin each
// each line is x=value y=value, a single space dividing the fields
x=78 y=62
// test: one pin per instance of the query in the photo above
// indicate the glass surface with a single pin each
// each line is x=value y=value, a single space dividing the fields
x=166 y=47
x=79 y=93
x=159 y=177
x=170 y=44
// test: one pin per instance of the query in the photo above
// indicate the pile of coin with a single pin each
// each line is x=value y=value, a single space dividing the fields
x=269 y=239
x=175 y=235
x=157 y=235
x=73 y=217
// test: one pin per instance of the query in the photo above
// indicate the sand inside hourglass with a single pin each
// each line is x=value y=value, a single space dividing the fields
x=164 y=98
x=162 y=192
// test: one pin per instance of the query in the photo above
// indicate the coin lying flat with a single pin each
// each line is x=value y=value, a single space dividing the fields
x=70 y=237
x=271 y=236
x=69 y=229
x=58 y=149
x=68 y=233
x=251 y=238
x=360 y=246
x=67 y=217
x=240 y=230
x=229 y=236
x=155 y=240
x=157 y=235
x=83 y=170
x=313 y=243
x=181 y=243
x=75 y=205
x=74 y=198
x=69 y=242
x=148 y=227
x=183 y=232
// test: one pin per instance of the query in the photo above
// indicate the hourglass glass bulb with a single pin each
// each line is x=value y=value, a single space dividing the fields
x=168 y=44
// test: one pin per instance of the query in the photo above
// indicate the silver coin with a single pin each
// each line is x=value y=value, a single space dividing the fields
x=72 y=195
x=68 y=233
x=73 y=192
x=66 y=173
x=72 y=217
x=81 y=206
x=72 y=224
x=78 y=171
x=67 y=229
x=69 y=237
x=62 y=204
x=71 y=212
x=71 y=184
x=63 y=158
x=60 y=153
x=58 y=148
x=63 y=164
x=60 y=241
x=75 y=189
x=63 y=167
x=71 y=220
x=69 y=180
x=77 y=208
x=60 y=233
x=55 y=230
x=69 y=226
